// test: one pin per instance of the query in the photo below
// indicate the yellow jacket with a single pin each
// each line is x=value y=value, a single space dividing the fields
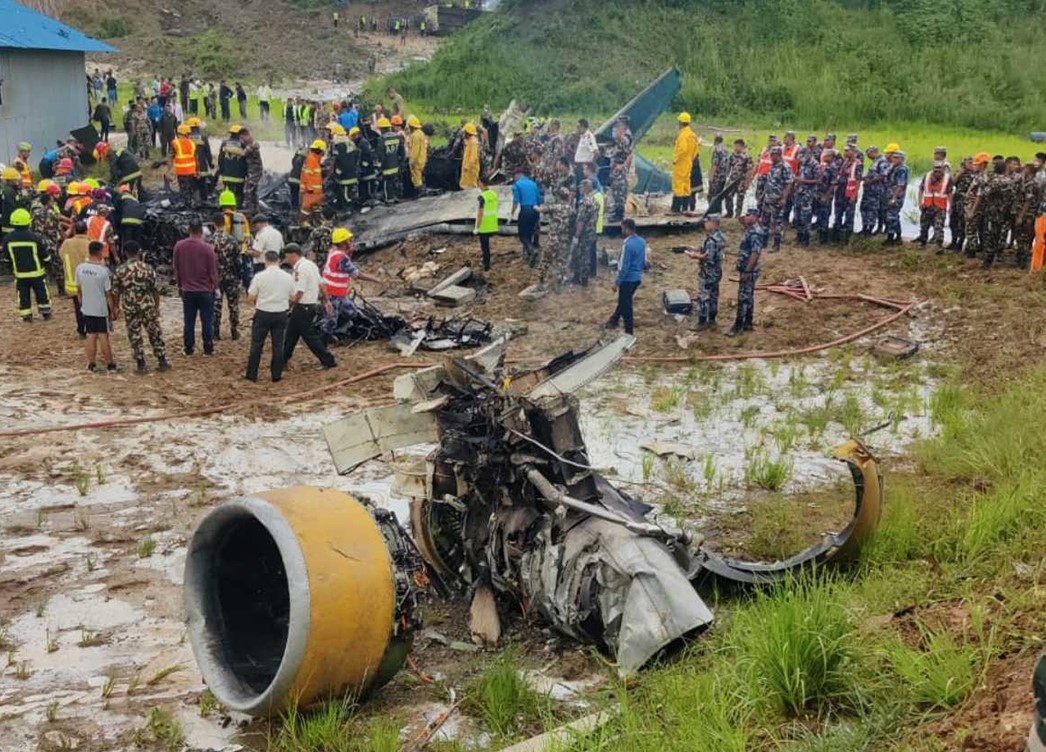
x=470 y=163
x=418 y=155
x=686 y=150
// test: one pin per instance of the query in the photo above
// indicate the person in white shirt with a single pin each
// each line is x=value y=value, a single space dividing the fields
x=271 y=291
x=587 y=148
x=305 y=308
x=266 y=238
x=264 y=95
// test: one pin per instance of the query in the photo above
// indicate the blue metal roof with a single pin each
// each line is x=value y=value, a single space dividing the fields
x=25 y=29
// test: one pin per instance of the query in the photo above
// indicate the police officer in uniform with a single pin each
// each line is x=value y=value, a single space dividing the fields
x=710 y=259
x=752 y=245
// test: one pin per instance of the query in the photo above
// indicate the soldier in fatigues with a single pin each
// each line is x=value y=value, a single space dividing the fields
x=717 y=179
x=137 y=294
x=973 y=209
x=739 y=173
x=583 y=246
x=896 y=191
x=255 y=170
x=825 y=192
x=1029 y=203
x=776 y=189
x=620 y=155
x=848 y=183
x=555 y=250
x=872 y=192
x=319 y=242
x=710 y=272
x=995 y=202
x=47 y=224
x=142 y=131
x=806 y=181
x=960 y=189
x=230 y=271
x=752 y=245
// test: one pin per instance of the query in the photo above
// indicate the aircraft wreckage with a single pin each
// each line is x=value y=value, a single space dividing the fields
x=299 y=594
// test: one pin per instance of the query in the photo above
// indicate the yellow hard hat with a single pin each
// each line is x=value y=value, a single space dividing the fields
x=337 y=129
x=235 y=128
x=319 y=145
x=193 y=122
x=73 y=189
x=341 y=235
x=384 y=123
x=892 y=147
x=21 y=218
x=354 y=131
x=470 y=129
x=10 y=173
x=43 y=185
x=684 y=117
x=413 y=122
x=184 y=130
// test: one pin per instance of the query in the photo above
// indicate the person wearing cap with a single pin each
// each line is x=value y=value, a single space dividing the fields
x=620 y=157
x=961 y=183
x=790 y=155
x=831 y=165
x=252 y=159
x=49 y=223
x=232 y=164
x=392 y=155
x=777 y=187
x=204 y=158
x=872 y=192
x=12 y=197
x=21 y=163
x=828 y=143
x=807 y=180
x=814 y=146
x=935 y=193
x=136 y=294
x=417 y=154
x=312 y=179
x=306 y=301
x=271 y=291
x=369 y=166
x=229 y=251
x=763 y=167
x=851 y=140
x=896 y=192
x=940 y=154
x=710 y=272
x=338 y=273
x=994 y=203
x=1029 y=203
x=583 y=243
x=748 y=258
x=29 y=259
x=470 y=164
x=558 y=208
x=182 y=160
x=848 y=185
x=717 y=176
x=123 y=166
x=740 y=169
x=683 y=155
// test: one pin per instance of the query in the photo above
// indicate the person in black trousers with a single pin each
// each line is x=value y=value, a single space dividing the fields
x=270 y=291
x=305 y=307
x=630 y=268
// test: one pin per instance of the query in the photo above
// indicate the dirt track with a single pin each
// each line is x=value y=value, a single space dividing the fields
x=73 y=568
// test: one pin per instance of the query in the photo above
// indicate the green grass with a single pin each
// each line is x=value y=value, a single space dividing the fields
x=503 y=700
x=940 y=673
x=766 y=472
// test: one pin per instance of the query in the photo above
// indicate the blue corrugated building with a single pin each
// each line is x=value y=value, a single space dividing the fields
x=43 y=85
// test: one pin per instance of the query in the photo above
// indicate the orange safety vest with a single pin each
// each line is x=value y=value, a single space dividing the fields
x=1039 y=246
x=98 y=229
x=764 y=163
x=790 y=154
x=184 y=156
x=852 y=183
x=935 y=195
x=80 y=204
x=24 y=170
x=335 y=281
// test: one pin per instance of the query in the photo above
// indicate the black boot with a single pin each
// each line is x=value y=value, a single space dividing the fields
x=922 y=240
x=777 y=244
x=163 y=365
x=736 y=329
x=835 y=234
x=846 y=236
x=140 y=363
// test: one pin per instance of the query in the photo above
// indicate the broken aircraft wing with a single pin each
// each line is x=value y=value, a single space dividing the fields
x=370 y=433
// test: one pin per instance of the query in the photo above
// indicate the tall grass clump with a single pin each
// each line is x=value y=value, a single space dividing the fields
x=501 y=697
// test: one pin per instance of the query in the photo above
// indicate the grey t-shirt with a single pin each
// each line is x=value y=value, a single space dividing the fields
x=94 y=282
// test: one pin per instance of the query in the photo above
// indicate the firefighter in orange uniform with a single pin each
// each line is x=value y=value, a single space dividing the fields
x=312 y=179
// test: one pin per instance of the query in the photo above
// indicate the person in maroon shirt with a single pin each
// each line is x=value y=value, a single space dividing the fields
x=196 y=274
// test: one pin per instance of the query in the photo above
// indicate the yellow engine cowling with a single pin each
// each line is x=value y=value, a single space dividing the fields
x=290 y=599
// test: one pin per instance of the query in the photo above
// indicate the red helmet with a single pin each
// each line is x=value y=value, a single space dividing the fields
x=54 y=189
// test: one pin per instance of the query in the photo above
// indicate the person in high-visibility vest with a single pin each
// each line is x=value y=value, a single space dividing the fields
x=29 y=259
x=237 y=225
x=73 y=252
x=847 y=187
x=762 y=169
x=683 y=155
x=312 y=179
x=21 y=163
x=470 y=157
x=183 y=161
x=338 y=273
x=486 y=222
x=934 y=199
x=99 y=228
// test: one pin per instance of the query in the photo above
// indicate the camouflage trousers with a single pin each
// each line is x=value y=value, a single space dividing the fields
x=580 y=257
x=137 y=318
x=746 y=301
x=772 y=214
x=341 y=307
x=1024 y=237
x=733 y=202
x=230 y=291
x=893 y=216
x=870 y=201
x=845 y=209
x=618 y=198
x=555 y=256
x=957 y=219
x=932 y=216
x=250 y=194
x=993 y=239
x=823 y=212
x=708 y=298
x=804 y=213
x=974 y=224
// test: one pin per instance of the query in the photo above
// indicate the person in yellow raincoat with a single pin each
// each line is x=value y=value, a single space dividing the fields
x=682 y=162
x=470 y=158
x=417 y=153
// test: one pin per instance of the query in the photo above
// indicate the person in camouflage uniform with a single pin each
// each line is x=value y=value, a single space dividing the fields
x=720 y=169
x=319 y=242
x=620 y=155
x=776 y=189
x=48 y=225
x=710 y=273
x=848 y=183
x=974 y=213
x=551 y=153
x=748 y=257
x=830 y=164
x=738 y=175
x=960 y=188
x=255 y=170
x=583 y=247
x=807 y=180
x=896 y=192
x=1029 y=204
x=230 y=270
x=516 y=154
x=137 y=295
x=555 y=251
x=872 y=192
x=143 y=136
x=995 y=202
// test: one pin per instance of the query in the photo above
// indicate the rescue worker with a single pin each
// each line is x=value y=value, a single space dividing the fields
x=229 y=251
x=790 y=155
x=807 y=179
x=486 y=222
x=872 y=192
x=847 y=187
x=583 y=245
x=255 y=170
x=338 y=273
x=470 y=165
x=369 y=167
x=896 y=191
x=136 y=290
x=312 y=179
x=123 y=167
x=21 y=163
x=317 y=247
x=886 y=168
x=829 y=164
x=960 y=188
x=683 y=155
x=204 y=158
x=237 y=225
x=100 y=229
x=777 y=187
x=620 y=157
x=346 y=168
x=710 y=273
x=294 y=178
x=762 y=168
x=717 y=177
x=29 y=260
x=555 y=251
x=47 y=223
x=132 y=216
x=12 y=197
x=994 y=206
x=752 y=245
x=738 y=177
x=972 y=236
x=1029 y=203
x=934 y=198
x=417 y=153
x=183 y=162
x=391 y=153
x=232 y=164
x=73 y=252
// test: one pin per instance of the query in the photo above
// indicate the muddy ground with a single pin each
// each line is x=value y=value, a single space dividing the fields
x=95 y=521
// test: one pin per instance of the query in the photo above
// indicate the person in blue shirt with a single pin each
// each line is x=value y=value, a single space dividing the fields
x=349 y=117
x=752 y=245
x=526 y=197
x=155 y=114
x=630 y=269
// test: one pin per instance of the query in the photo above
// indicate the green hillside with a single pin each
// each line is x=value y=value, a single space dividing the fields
x=972 y=63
